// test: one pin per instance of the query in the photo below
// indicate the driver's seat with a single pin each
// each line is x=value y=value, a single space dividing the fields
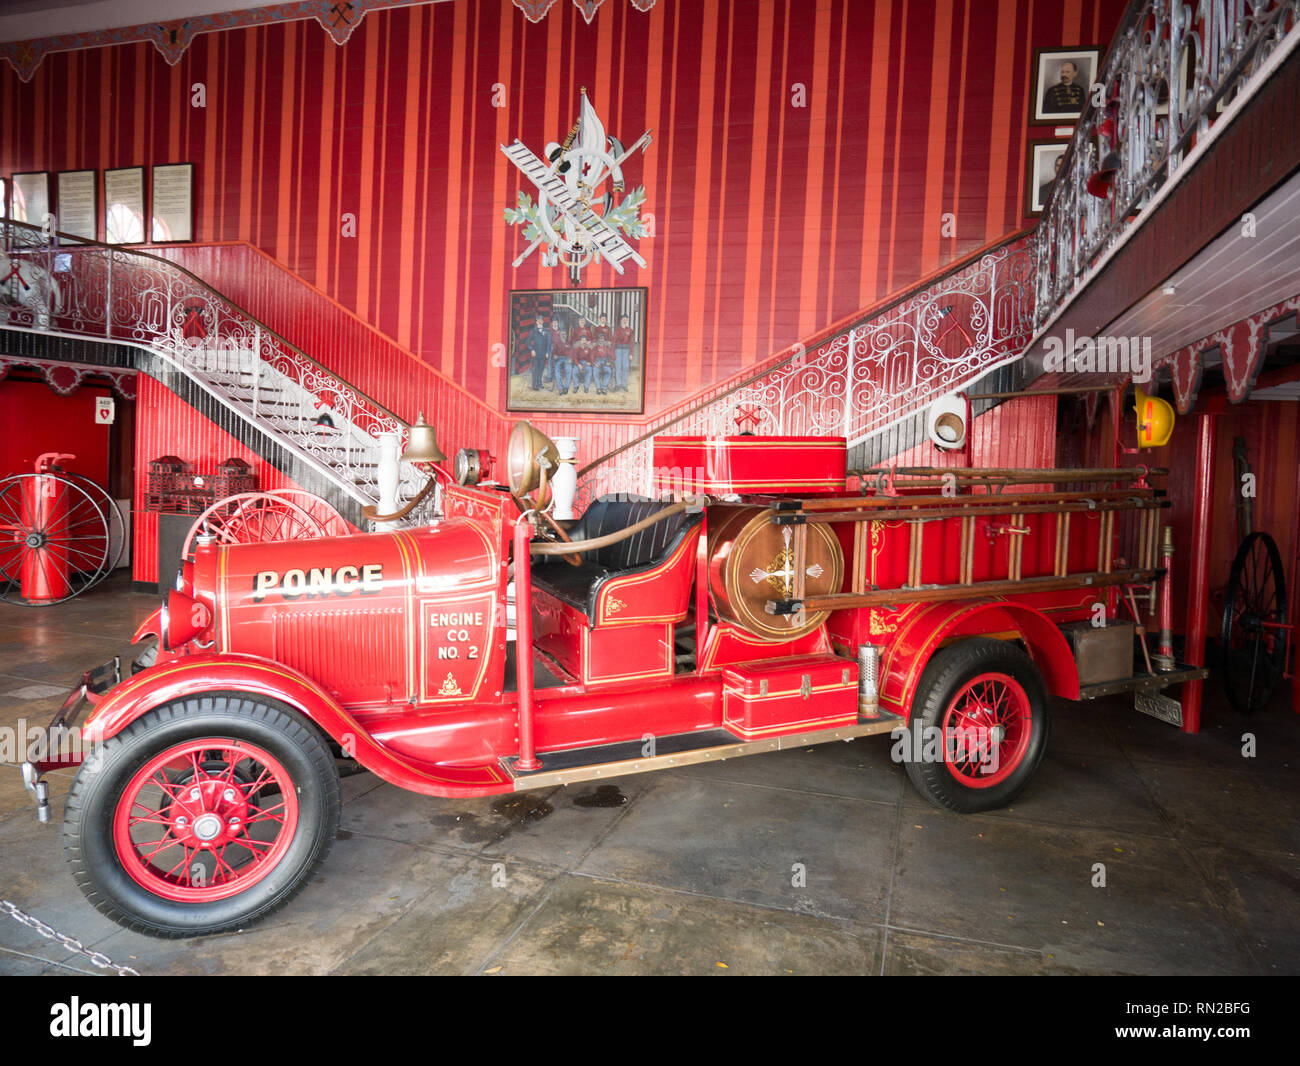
x=649 y=573
x=584 y=616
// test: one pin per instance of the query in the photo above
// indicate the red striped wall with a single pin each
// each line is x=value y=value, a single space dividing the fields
x=1020 y=432
x=771 y=220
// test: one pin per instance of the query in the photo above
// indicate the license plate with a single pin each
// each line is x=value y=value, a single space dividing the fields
x=1158 y=705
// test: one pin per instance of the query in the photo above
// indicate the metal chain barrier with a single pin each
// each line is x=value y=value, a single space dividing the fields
x=75 y=946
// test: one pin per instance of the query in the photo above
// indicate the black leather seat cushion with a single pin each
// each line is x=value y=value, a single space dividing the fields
x=579 y=586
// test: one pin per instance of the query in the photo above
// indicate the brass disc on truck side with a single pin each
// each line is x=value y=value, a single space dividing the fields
x=751 y=561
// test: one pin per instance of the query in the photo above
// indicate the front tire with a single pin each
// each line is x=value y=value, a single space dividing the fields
x=988 y=704
x=203 y=816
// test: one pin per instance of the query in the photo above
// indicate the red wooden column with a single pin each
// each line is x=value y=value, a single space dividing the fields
x=1199 y=573
x=1294 y=617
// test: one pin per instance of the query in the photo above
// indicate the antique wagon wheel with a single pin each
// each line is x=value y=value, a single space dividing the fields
x=1254 y=620
x=252 y=518
x=332 y=523
x=116 y=523
x=55 y=539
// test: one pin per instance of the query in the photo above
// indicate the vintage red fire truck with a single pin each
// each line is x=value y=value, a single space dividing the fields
x=768 y=601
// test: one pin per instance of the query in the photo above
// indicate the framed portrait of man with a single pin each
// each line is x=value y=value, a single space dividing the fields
x=1062 y=79
x=1042 y=166
x=574 y=350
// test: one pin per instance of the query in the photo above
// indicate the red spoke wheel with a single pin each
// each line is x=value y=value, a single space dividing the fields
x=979 y=726
x=205 y=819
x=203 y=816
x=986 y=730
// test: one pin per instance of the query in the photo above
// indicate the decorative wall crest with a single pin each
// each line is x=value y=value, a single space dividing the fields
x=581 y=211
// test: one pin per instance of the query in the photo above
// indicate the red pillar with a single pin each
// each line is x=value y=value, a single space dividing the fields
x=1294 y=617
x=524 y=644
x=1199 y=572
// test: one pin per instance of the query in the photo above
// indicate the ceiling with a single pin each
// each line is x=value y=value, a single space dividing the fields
x=26 y=20
x=1230 y=279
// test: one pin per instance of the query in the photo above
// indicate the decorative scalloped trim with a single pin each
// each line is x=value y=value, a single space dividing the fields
x=339 y=18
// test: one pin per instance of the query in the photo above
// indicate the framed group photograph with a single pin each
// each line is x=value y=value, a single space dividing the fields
x=1041 y=167
x=577 y=350
x=1062 y=77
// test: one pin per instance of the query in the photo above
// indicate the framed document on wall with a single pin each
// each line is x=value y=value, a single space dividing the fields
x=173 y=203
x=30 y=198
x=76 y=203
x=124 y=206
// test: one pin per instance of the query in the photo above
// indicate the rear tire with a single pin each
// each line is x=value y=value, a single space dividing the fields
x=989 y=704
x=203 y=816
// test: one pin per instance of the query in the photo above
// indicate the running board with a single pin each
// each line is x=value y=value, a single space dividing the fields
x=1144 y=682
x=587 y=764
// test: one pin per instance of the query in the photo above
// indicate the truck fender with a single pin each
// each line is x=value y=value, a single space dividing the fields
x=923 y=633
x=231 y=672
x=150 y=627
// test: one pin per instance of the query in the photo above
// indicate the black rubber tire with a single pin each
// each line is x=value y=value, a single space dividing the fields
x=88 y=815
x=946 y=673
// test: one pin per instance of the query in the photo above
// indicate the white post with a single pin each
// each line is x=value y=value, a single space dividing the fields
x=389 y=475
x=848 y=384
x=564 y=483
x=257 y=365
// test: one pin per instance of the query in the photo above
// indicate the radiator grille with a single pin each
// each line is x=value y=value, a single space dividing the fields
x=356 y=655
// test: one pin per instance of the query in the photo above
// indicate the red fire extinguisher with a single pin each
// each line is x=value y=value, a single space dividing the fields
x=46 y=569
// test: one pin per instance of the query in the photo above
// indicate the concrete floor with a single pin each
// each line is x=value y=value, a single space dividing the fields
x=691 y=871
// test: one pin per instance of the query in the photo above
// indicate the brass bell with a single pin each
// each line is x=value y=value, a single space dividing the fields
x=422 y=446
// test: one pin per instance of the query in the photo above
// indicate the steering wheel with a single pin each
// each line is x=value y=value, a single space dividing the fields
x=572 y=558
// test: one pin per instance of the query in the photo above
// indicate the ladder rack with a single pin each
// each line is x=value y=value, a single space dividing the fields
x=1082 y=551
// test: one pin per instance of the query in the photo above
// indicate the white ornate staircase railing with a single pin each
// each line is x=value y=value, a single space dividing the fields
x=62 y=285
x=1138 y=132
x=860 y=380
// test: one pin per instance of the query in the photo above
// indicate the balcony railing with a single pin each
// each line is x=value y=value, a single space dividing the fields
x=72 y=287
x=1171 y=70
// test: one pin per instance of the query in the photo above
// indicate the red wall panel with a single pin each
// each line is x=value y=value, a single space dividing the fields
x=36 y=419
x=173 y=427
x=1272 y=434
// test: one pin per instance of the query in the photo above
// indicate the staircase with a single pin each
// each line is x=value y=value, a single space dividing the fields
x=868 y=379
x=294 y=412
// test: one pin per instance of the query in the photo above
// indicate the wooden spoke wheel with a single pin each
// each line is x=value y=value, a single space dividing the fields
x=55 y=538
x=116 y=523
x=332 y=523
x=253 y=518
x=1254 y=630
